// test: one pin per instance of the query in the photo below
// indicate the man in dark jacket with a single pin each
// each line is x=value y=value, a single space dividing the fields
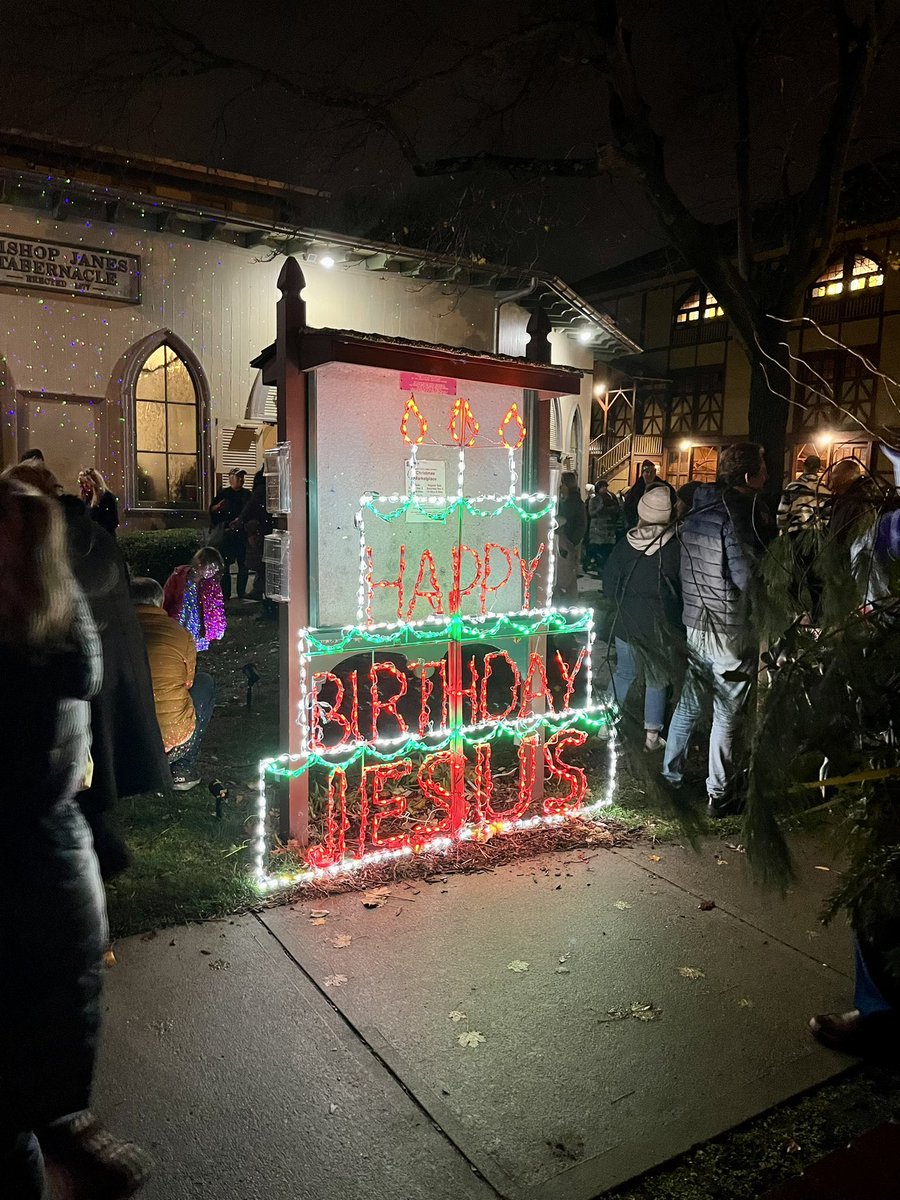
x=649 y=479
x=721 y=540
x=226 y=533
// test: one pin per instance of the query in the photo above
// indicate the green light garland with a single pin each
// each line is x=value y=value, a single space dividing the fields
x=576 y=718
x=457 y=504
x=467 y=628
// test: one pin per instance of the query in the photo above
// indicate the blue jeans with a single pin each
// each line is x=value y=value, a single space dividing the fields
x=203 y=697
x=654 y=694
x=711 y=657
x=867 y=996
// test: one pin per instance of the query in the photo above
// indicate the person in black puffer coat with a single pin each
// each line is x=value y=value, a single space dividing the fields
x=52 y=908
x=641 y=582
x=722 y=539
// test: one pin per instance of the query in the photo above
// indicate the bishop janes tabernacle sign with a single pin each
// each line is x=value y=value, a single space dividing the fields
x=75 y=270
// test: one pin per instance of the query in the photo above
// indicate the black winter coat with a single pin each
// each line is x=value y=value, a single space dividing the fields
x=126 y=746
x=52 y=927
x=645 y=592
x=721 y=540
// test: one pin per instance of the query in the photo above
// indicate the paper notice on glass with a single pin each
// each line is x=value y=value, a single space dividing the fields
x=430 y=480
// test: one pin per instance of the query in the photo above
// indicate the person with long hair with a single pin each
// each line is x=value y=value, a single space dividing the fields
x=102 y=505
x=52 y=907
x=127 y=748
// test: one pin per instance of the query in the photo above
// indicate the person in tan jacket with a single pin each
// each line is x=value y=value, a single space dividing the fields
x=183 y=696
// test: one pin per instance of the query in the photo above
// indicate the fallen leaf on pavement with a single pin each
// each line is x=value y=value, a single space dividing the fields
x=517 y=965
x=335 y=980
x=720 y=861
x=745 y=1003
x=563 y=971
x=793 y=1147
x=691 y=973
x=376 y=898
x=737 y=847
x=318 y=921
x=820 y=869
x=342 y=940
x=706 y=905
x=655 y=857
x=219 y=964
x=471 y=1038
x=109 y=959
x=332 y=1108
x=638 y=1011
x=320 y=912
x=622 y=904
x=456 y=1015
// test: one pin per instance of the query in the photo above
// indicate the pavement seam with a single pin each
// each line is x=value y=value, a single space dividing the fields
x=731 y=913
x=380 y=1059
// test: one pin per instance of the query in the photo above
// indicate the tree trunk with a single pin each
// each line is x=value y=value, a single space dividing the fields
x=770 y=395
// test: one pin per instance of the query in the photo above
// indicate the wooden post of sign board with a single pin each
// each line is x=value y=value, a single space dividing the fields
x=537 y=349
x=293 y=428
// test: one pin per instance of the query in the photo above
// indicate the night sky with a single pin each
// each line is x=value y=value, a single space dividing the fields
x=151 y=79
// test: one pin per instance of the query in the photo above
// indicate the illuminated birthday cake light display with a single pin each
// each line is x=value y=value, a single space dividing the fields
x=402 y=713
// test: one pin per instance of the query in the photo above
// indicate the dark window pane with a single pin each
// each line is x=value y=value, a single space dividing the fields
x=151 y=476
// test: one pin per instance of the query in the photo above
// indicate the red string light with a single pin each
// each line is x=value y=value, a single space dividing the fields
x=442 y=798
x=456 y=594
x=463 y=426
x=335 y=716
x=412 y=410
x=386 y=704
x=432 y=593
x=528 y=748
x=384 y=583
x=383 y=807
x=528 y=569
x=517 y=680
x=569 y=679
x=332 y=849
x=427 y=688
x=512 y=417
x=537 y=669
x=486 y=573
x=567 y=773
x=484 y=782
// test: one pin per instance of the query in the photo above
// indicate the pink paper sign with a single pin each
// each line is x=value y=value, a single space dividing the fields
x=435 y=385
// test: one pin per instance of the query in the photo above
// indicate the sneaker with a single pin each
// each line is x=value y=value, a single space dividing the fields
x=184 y=783
x=839 y=1031
x=93 y=1161
x=723 y=806
x=654 y=741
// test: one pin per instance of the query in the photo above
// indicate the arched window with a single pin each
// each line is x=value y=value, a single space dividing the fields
x=699 y=306
x=167 y=405
x=851 y=273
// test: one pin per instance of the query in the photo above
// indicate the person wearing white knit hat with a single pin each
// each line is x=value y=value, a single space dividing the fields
x=641 y=581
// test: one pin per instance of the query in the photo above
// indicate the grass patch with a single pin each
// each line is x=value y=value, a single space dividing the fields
x=780 y=1144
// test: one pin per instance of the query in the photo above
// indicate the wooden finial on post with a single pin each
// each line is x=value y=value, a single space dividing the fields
x=291 y=283
x=538 y=329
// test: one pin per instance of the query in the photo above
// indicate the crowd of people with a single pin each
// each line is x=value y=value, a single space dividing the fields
x=103 y=694
x=680 y=590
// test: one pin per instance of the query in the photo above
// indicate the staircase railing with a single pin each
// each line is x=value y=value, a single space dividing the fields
x=609 y=456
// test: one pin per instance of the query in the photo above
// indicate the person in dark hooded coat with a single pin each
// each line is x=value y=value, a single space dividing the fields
x=126 y=745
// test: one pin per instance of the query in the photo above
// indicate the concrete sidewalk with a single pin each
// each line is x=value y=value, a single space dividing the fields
x=259 y=1059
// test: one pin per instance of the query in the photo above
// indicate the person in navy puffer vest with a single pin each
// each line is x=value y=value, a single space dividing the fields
x=722 y=539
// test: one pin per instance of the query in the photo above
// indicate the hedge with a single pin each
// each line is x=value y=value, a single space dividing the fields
x=157 y=552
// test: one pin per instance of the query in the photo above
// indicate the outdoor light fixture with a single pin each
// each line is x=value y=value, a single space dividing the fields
x=326 y=261
x=824 y=437
x=686 y=445
x=599 y=389
x=585 y=335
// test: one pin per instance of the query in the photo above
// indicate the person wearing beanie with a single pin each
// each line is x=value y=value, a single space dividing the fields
x=641 y=582
x=722 y=539
x=647 y=479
